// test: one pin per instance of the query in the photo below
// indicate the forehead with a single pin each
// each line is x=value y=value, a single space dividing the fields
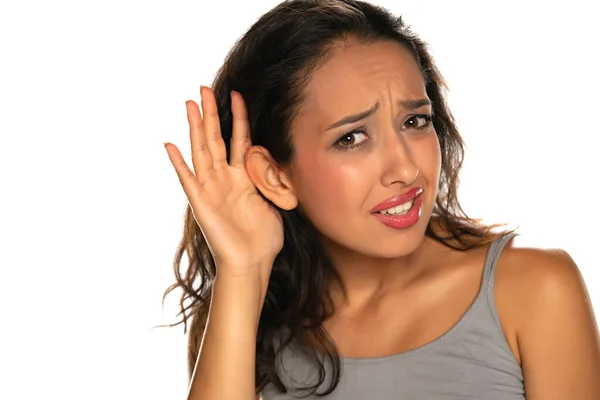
x=358 y=74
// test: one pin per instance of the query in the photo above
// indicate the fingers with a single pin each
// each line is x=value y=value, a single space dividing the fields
x=240 y=138
x=185 y=174
x=201 y=157
x=212 y=128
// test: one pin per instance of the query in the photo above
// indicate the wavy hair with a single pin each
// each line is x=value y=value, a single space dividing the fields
x=270 y=66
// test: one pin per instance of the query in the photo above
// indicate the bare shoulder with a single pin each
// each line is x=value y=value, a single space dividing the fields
x=547 y=316
x=529 y=280
x=529 y=272
x=537 y=276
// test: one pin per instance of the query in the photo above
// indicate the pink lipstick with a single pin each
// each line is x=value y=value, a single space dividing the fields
x=398 y=199
x=401 y=221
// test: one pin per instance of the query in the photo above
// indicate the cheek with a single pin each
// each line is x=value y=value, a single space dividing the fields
x=435 y=157
x=329 y=189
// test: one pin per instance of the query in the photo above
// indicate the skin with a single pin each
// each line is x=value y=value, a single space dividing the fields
x=396 y=284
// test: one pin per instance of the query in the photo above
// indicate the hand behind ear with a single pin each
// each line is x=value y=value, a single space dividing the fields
x=242 y=231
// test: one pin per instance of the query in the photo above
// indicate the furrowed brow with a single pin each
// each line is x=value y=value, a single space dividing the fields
x=414 y=104
x=350 y=119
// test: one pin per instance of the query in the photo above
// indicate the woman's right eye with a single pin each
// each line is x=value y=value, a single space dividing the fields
x=348 y=141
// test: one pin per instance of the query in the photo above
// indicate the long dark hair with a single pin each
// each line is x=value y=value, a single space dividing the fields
x=270 y=66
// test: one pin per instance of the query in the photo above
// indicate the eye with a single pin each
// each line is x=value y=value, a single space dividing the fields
x=413 y=121
x=349 y=141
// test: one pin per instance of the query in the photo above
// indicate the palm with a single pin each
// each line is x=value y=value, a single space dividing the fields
x=243 y=221
x=242 y=230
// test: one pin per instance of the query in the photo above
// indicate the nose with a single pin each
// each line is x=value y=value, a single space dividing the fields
x=398 y=163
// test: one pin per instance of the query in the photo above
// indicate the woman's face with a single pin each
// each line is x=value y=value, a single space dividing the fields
x=342 y=172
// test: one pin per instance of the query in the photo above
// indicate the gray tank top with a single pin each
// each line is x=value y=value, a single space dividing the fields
x=470 y=361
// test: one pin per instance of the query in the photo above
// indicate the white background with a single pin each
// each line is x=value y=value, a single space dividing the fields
x=91 y=209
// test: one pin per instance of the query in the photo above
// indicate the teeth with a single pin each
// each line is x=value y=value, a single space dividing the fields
x=398 y=210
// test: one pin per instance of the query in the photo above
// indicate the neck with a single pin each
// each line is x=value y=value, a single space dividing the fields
x=362 y=280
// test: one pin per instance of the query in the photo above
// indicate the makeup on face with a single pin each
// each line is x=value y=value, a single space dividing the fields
x=366 y=130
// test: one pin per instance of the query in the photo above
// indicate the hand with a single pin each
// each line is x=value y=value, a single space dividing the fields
x=244 y=233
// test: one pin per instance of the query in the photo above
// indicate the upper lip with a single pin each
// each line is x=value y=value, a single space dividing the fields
x=398 y=199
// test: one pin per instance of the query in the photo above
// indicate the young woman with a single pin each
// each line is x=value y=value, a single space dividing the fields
x=328 y=253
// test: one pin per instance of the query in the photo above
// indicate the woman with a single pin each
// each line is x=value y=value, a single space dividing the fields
x=328 y=250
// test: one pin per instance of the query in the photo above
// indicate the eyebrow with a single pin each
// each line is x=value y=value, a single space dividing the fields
x=349 y=119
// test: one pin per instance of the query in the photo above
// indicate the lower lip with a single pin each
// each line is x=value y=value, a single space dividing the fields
x=403 y=221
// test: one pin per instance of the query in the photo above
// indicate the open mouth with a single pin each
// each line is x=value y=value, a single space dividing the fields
x=402 y=216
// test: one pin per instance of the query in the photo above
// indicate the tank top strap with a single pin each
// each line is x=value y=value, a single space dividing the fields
x=493 y=254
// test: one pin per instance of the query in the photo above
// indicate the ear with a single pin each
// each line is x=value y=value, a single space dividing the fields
x=269 y=178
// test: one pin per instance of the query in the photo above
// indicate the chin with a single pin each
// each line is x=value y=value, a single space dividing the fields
x=396 y=248
x=379 y=241
x=397 y=242
x=389 y=247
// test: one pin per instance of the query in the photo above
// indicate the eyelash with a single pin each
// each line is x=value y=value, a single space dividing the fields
x=362 y=129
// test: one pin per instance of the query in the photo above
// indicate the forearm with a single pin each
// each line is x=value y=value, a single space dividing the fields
x=225 y=368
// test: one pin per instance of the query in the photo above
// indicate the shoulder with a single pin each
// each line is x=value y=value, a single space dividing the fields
x=543 y=301
x=538 y=276
x=551 y=272
x=538 y=282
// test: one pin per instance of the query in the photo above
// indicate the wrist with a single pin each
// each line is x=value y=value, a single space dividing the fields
x=240 y=291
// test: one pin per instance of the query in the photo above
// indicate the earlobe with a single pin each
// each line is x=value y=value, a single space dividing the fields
x=269 y=179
